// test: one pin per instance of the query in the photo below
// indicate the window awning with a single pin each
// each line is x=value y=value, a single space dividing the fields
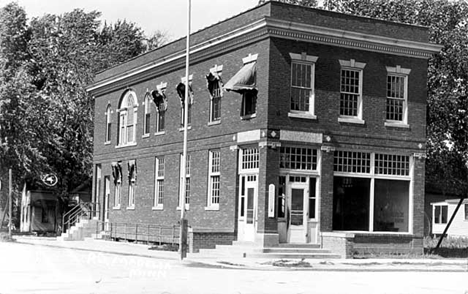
x=212 y=80
x=181 y=92
x=132 y=171
x=158 y=98
x=117 y=172
x=244 y=79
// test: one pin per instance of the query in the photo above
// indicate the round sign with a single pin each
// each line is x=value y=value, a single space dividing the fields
x=50 y=180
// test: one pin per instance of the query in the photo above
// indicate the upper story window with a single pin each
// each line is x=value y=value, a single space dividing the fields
x=351 y=91
x=147 y=121
x=128 y=119
x=244 y=82
x=302 y=85
x=397 y=96
x=181 y=92
x=215 y=87
x=108 y=124
x=159 y=98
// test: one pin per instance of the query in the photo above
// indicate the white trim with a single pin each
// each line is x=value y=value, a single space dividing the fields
x=301 y=114
x=250 y=58
x=395 y=124
x=303 y=57
x=398 y=70
x=352 y=64
x=159 y=207
x=321 y=32
x=351 y=120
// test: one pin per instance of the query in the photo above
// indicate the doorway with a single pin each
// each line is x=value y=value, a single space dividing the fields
x=248 y=199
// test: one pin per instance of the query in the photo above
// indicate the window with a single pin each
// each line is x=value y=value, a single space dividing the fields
x=351 y=91
x=281 y=207
x=302 y=85
x=117 y=175
x=128 y=119
x=44 y=213
x=147 y=121
x=214 y=174
x=159 y=98
x=132 y=175
x=371 y=192
x=298 y=158
x=244 y=82
x=397 y=95
x=250 y=159
x=108 y=124
x=187 y=180
x=215 y=87
x=440 y=214
x=181 y=92
x=159 y=183
x=466 y=211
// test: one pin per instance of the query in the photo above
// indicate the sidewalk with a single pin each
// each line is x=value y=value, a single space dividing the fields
x=129 y=249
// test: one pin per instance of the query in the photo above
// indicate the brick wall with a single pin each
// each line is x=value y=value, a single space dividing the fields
x=210 y=240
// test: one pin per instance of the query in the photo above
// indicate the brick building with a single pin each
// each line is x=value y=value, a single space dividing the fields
x=305 y=126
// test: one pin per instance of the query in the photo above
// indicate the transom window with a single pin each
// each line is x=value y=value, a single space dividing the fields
x=397 y=94
x=391 y=164
x=250 y=159
x=298 y=158
x=351 y=88
x=352 y=162
x=302 y=83
x=128 y=118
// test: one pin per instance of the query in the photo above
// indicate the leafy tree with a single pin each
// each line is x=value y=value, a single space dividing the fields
x=45 y=112
x=306 y=3
x=447 y=126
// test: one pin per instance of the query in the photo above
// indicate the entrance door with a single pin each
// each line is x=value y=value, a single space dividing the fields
x=298 y=213
x=248 y=208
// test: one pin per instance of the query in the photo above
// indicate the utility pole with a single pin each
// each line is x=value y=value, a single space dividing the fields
x=9 y=202
x=183 y=221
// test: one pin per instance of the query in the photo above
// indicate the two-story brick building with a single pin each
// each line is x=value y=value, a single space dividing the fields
x=305 y=126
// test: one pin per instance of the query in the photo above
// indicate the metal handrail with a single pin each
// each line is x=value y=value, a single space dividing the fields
x=83 y=209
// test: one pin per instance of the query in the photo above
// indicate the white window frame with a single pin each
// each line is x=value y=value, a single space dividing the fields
x=108 y=124
x=132 y=188
x=307 y=60
x=161 y=88
x=147 y=117
x=124 y=124
x=117 y=195
x=352 y=65
x=441 y=214
x=372 y=175
x=216 y=70
x=158 y=202
x=252 y=155
x=188 y=183
x=214 y=174
x=190 y=101
x=398 y=72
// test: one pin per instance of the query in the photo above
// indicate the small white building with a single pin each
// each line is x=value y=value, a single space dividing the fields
x=443 y=211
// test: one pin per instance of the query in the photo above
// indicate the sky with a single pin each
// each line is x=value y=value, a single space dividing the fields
x=151 y=15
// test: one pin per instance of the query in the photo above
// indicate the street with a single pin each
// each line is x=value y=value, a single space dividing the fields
x=40 y=269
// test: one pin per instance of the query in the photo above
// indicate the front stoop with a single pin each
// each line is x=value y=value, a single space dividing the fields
x=249 y=250
x=84 y=228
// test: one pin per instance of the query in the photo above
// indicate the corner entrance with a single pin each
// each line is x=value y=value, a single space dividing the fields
x=297 y=221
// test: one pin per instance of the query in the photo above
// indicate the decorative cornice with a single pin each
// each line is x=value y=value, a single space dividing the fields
x=270 y=27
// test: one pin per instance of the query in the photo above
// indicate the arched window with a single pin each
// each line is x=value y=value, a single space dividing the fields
x=128 y=118
x=108 y=124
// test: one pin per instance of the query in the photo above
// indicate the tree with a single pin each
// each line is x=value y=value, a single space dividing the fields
x=45 y=112
x=306 y=3
x=447 y=127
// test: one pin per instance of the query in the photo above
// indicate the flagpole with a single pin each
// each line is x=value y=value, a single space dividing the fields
x=183 y=221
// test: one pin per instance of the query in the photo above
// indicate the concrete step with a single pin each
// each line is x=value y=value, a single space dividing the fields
x=299 y=245
x=294 y=255
x=292 y=250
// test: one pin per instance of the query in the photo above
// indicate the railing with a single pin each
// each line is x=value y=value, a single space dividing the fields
x=146 y=233
x=84 y=210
